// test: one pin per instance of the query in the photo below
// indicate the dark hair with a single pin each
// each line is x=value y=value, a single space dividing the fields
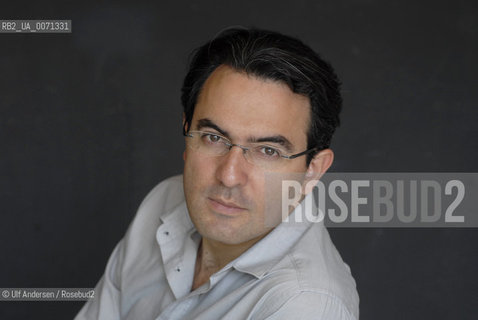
x=270 y=55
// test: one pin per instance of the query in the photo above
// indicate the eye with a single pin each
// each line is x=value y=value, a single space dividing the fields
x=269 y=152
x=211 y=138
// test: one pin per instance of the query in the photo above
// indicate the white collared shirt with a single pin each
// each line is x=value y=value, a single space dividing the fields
x=292 y=273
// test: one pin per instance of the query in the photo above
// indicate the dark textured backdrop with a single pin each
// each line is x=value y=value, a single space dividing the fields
x=90 y=122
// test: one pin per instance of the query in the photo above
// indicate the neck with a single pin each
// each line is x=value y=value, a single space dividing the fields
x=212 y=256
x=218 y=254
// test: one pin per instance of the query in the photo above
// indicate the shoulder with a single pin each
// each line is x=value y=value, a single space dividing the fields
x=313 y=279
x=313 y=304
x=290 y=295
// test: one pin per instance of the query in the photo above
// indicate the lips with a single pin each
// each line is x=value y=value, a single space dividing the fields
x=225 y=207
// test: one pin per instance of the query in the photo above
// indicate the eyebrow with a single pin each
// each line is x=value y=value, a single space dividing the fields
x=278 y=139
x=208 y=123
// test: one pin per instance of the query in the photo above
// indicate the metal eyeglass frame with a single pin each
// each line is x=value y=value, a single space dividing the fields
x=229 y=143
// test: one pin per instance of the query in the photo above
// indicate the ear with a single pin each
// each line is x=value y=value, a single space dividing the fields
x=317 y=167
x=184 y=120
x=186 y=128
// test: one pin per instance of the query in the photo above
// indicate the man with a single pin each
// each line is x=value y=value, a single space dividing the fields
x=256 y=104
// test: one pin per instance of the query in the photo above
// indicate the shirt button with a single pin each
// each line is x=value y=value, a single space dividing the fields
x=178 y=270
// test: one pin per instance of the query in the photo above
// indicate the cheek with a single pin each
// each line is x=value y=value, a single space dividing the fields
x=195 y=180
x=198 y=169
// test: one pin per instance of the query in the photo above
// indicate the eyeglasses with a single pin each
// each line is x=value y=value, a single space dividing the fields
x=258 y=154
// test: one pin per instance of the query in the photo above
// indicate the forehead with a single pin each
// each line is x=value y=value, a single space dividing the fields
x=246 y=105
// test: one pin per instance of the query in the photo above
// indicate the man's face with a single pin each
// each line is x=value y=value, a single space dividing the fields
x=225 y=195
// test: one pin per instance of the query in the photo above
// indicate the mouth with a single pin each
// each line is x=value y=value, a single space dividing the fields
x=224 y=207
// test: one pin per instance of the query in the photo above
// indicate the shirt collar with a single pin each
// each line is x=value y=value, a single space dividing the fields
x=178 y=245
x=179 y=218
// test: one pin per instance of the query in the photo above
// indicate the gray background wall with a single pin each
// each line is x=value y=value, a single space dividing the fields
x=90 y=122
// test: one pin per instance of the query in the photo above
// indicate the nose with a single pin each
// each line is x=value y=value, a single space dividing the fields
x=233 y=168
